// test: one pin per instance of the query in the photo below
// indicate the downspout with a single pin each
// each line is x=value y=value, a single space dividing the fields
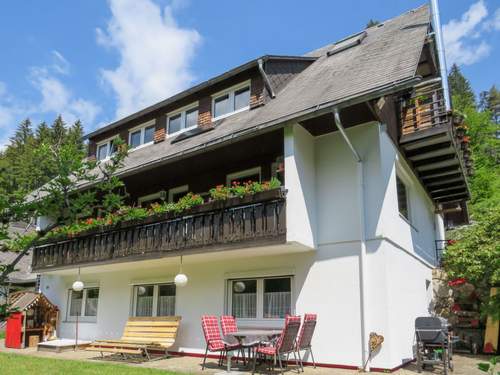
x=362 y=257
x=436 y=21
x=266 y=78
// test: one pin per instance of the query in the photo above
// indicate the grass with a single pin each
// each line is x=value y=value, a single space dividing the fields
x=15 y=364
x=2 y=335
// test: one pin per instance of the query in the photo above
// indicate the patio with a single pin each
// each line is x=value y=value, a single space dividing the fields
x=464 y=365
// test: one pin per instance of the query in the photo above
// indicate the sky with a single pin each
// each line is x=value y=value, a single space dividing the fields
x=100 y=60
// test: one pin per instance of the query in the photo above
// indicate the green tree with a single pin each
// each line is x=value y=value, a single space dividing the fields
x=461 y=90
x=60 y=200
x=372 y=23
x=475 y=256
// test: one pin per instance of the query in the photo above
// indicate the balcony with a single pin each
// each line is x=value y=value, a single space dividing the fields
x=254 y=220
x=432 y=140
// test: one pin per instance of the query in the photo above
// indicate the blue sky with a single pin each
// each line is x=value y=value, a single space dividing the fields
x=101 y=60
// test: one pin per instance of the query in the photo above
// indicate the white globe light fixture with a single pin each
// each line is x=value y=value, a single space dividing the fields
x=78 y=286
x=180 y=279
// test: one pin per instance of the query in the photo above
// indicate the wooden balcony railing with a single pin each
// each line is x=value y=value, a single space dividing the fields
x=255 y=220
x=424 y=109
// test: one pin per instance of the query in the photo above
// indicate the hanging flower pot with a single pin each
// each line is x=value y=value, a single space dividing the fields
x=460 y=132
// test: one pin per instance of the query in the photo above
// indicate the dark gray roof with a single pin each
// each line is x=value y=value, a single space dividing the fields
x=388 y=54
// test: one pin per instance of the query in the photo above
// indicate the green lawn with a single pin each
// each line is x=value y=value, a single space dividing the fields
x=15 y=364
x=2 y=335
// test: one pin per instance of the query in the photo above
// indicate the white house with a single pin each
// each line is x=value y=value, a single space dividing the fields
x=357 y=133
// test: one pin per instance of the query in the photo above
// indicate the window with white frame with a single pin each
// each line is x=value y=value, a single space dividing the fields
x=176 y=193
x=83 y=304
x=147 y=200
x=403 y=199
x=233 y=100
x=154 y=300
x=240 y=177
x=142 y=135
x=183 y=119
x=260 y=298
x=105 y=149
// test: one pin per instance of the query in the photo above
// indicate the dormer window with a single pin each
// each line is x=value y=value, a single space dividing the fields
x=183 y=119
x=105 y=149
x=233 y=100
x=142 y=135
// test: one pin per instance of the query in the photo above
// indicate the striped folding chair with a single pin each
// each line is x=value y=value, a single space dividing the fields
x=305 y=337
x=284 y=345
x=228 y=325
x=214 y=341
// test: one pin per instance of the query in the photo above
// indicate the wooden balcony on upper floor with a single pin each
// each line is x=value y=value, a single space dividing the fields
x=433 y=140
x=254 y=220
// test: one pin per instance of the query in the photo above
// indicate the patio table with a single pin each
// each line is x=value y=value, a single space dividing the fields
x=248 y=337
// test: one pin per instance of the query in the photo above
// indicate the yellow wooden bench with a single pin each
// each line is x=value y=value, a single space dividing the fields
x=141 y=335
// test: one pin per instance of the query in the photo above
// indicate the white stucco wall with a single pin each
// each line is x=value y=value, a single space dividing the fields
x=300 y=177
x=322 y=213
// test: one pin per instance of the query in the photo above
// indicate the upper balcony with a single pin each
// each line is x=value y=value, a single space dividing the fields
x=434 y=141
x=256 y=220
x=227 y=223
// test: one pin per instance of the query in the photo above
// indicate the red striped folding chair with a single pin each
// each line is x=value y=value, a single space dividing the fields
x=305 y=337
x=284 y=345
x=214 y=341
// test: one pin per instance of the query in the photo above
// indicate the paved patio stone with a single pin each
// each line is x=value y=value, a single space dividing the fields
x=464 y=365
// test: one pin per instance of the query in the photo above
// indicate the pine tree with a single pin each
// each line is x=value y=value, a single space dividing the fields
x=372 y=23
x=58 y=130
x=23 y=134
x=75 y=134
x=461 y=90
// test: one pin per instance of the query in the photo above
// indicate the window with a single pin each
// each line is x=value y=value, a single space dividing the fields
x=148 y=200
x=260 y=298
x=142 y=135
x=176 y=193
x=233 y=100
x=402 y=192
x=241 y=177
x=83 y=304
x=154 y=300
x=184 y=119
x=105 y=149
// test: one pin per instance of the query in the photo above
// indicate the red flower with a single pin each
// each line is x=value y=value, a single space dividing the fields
x=457 y=282
x=89 y=221
x=451 y=242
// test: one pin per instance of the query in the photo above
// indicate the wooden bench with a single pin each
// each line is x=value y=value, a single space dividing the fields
x=141 y=335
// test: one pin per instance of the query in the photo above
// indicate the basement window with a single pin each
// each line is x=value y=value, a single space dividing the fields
x=233 y=100
x=260 y=298
x=403 y=203
x=83 y=304
x=154 y=300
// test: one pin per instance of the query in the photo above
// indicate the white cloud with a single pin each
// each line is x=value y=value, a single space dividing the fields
x=462 y=37
x=494 y=23
x=55 y=98
x=58 y=99
x=60 y=65
x=155 y=53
